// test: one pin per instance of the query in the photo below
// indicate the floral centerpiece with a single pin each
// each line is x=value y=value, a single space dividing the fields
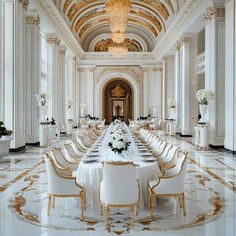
x=204 y=96
x=41 y=98
x=118 y=138
x=171 y=103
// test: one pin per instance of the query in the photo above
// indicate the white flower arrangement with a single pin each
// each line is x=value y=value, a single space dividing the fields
x=119 y=141
x=41 y=98
x=204 y=96
x=171 y=103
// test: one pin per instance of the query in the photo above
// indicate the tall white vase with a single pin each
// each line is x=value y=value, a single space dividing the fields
x=203 y=111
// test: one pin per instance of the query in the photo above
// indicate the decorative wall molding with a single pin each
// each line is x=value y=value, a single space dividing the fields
x=105 y=58
x=32 y=20
x=213 y=13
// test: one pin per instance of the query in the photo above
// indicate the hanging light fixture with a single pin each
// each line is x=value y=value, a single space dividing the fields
x=118 y=11
x=118 y=50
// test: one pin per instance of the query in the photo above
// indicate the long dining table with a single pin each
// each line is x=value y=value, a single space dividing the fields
x=90 y=170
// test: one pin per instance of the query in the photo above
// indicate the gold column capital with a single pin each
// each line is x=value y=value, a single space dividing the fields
x=212 y=13
x=24 y=3
x=52 y=39
x=32 y=20
x=62 y=50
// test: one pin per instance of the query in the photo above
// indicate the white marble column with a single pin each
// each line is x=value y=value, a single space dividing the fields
x=157 y=90
x=61 y=85
x=89 y=89
x=145 y=91
x=32 y=43
x=77 y=94
x=164 y=81
x=82 y=85
x=177 y=86
x=185 y=86
x=215 y=71
x=13 y=69
x=53 y=76
x=150 y=88
x=230 y=76
x=71 y=87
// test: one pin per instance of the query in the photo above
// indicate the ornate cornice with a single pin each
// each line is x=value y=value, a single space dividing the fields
x=52 y=39
x=213 y=13
x=62 y=50
x=184 y=39
x=31 y=20
x=24 y=3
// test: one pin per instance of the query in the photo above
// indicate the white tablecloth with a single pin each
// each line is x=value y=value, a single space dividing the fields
x=90 y=174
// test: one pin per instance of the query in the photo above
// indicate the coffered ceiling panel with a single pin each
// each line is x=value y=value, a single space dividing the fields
x=147 y=19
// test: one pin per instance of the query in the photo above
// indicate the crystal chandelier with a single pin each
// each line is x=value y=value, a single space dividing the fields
x=118 y=50
x=118 y=11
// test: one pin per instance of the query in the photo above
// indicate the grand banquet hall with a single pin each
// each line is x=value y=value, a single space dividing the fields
x=117 y=117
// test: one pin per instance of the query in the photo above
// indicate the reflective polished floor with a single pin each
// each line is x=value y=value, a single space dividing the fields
x=209 y=188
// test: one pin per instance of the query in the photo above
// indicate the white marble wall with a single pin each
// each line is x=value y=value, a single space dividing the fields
x=230 y=76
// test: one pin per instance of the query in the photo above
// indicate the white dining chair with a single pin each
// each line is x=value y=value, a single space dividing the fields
x=119 y=190
x=62 y=186
x=60 y=158
x=169 y=185
x=70 y=152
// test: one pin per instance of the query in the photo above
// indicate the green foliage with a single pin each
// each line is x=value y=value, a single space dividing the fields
x=3 y=130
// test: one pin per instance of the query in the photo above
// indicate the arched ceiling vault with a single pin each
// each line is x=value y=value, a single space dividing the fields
x=147 y=18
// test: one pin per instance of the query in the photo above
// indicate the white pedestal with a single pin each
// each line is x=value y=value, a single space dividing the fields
x=69 y=128
x=44 y=135
x=201 y=136
x=171 y=127
x=5 y=145
x=196 y=136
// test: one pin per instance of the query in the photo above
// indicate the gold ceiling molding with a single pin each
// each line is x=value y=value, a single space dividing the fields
x=131 y=44
x=103 y=21
x=150 y=16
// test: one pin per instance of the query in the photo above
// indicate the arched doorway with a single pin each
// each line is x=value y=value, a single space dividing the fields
x=117 y=100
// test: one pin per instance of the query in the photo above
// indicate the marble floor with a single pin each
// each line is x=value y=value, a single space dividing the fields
x=209 y=188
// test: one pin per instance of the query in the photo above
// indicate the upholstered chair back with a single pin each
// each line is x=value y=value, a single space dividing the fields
x=119 y=185
x=174 y=184
x=166 y=151
x=61 y=159
x=172 y=155
x=56 y=184
x=160 y=149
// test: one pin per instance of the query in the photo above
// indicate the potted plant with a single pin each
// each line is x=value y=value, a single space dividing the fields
x=5 y=139
x=203 y=96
